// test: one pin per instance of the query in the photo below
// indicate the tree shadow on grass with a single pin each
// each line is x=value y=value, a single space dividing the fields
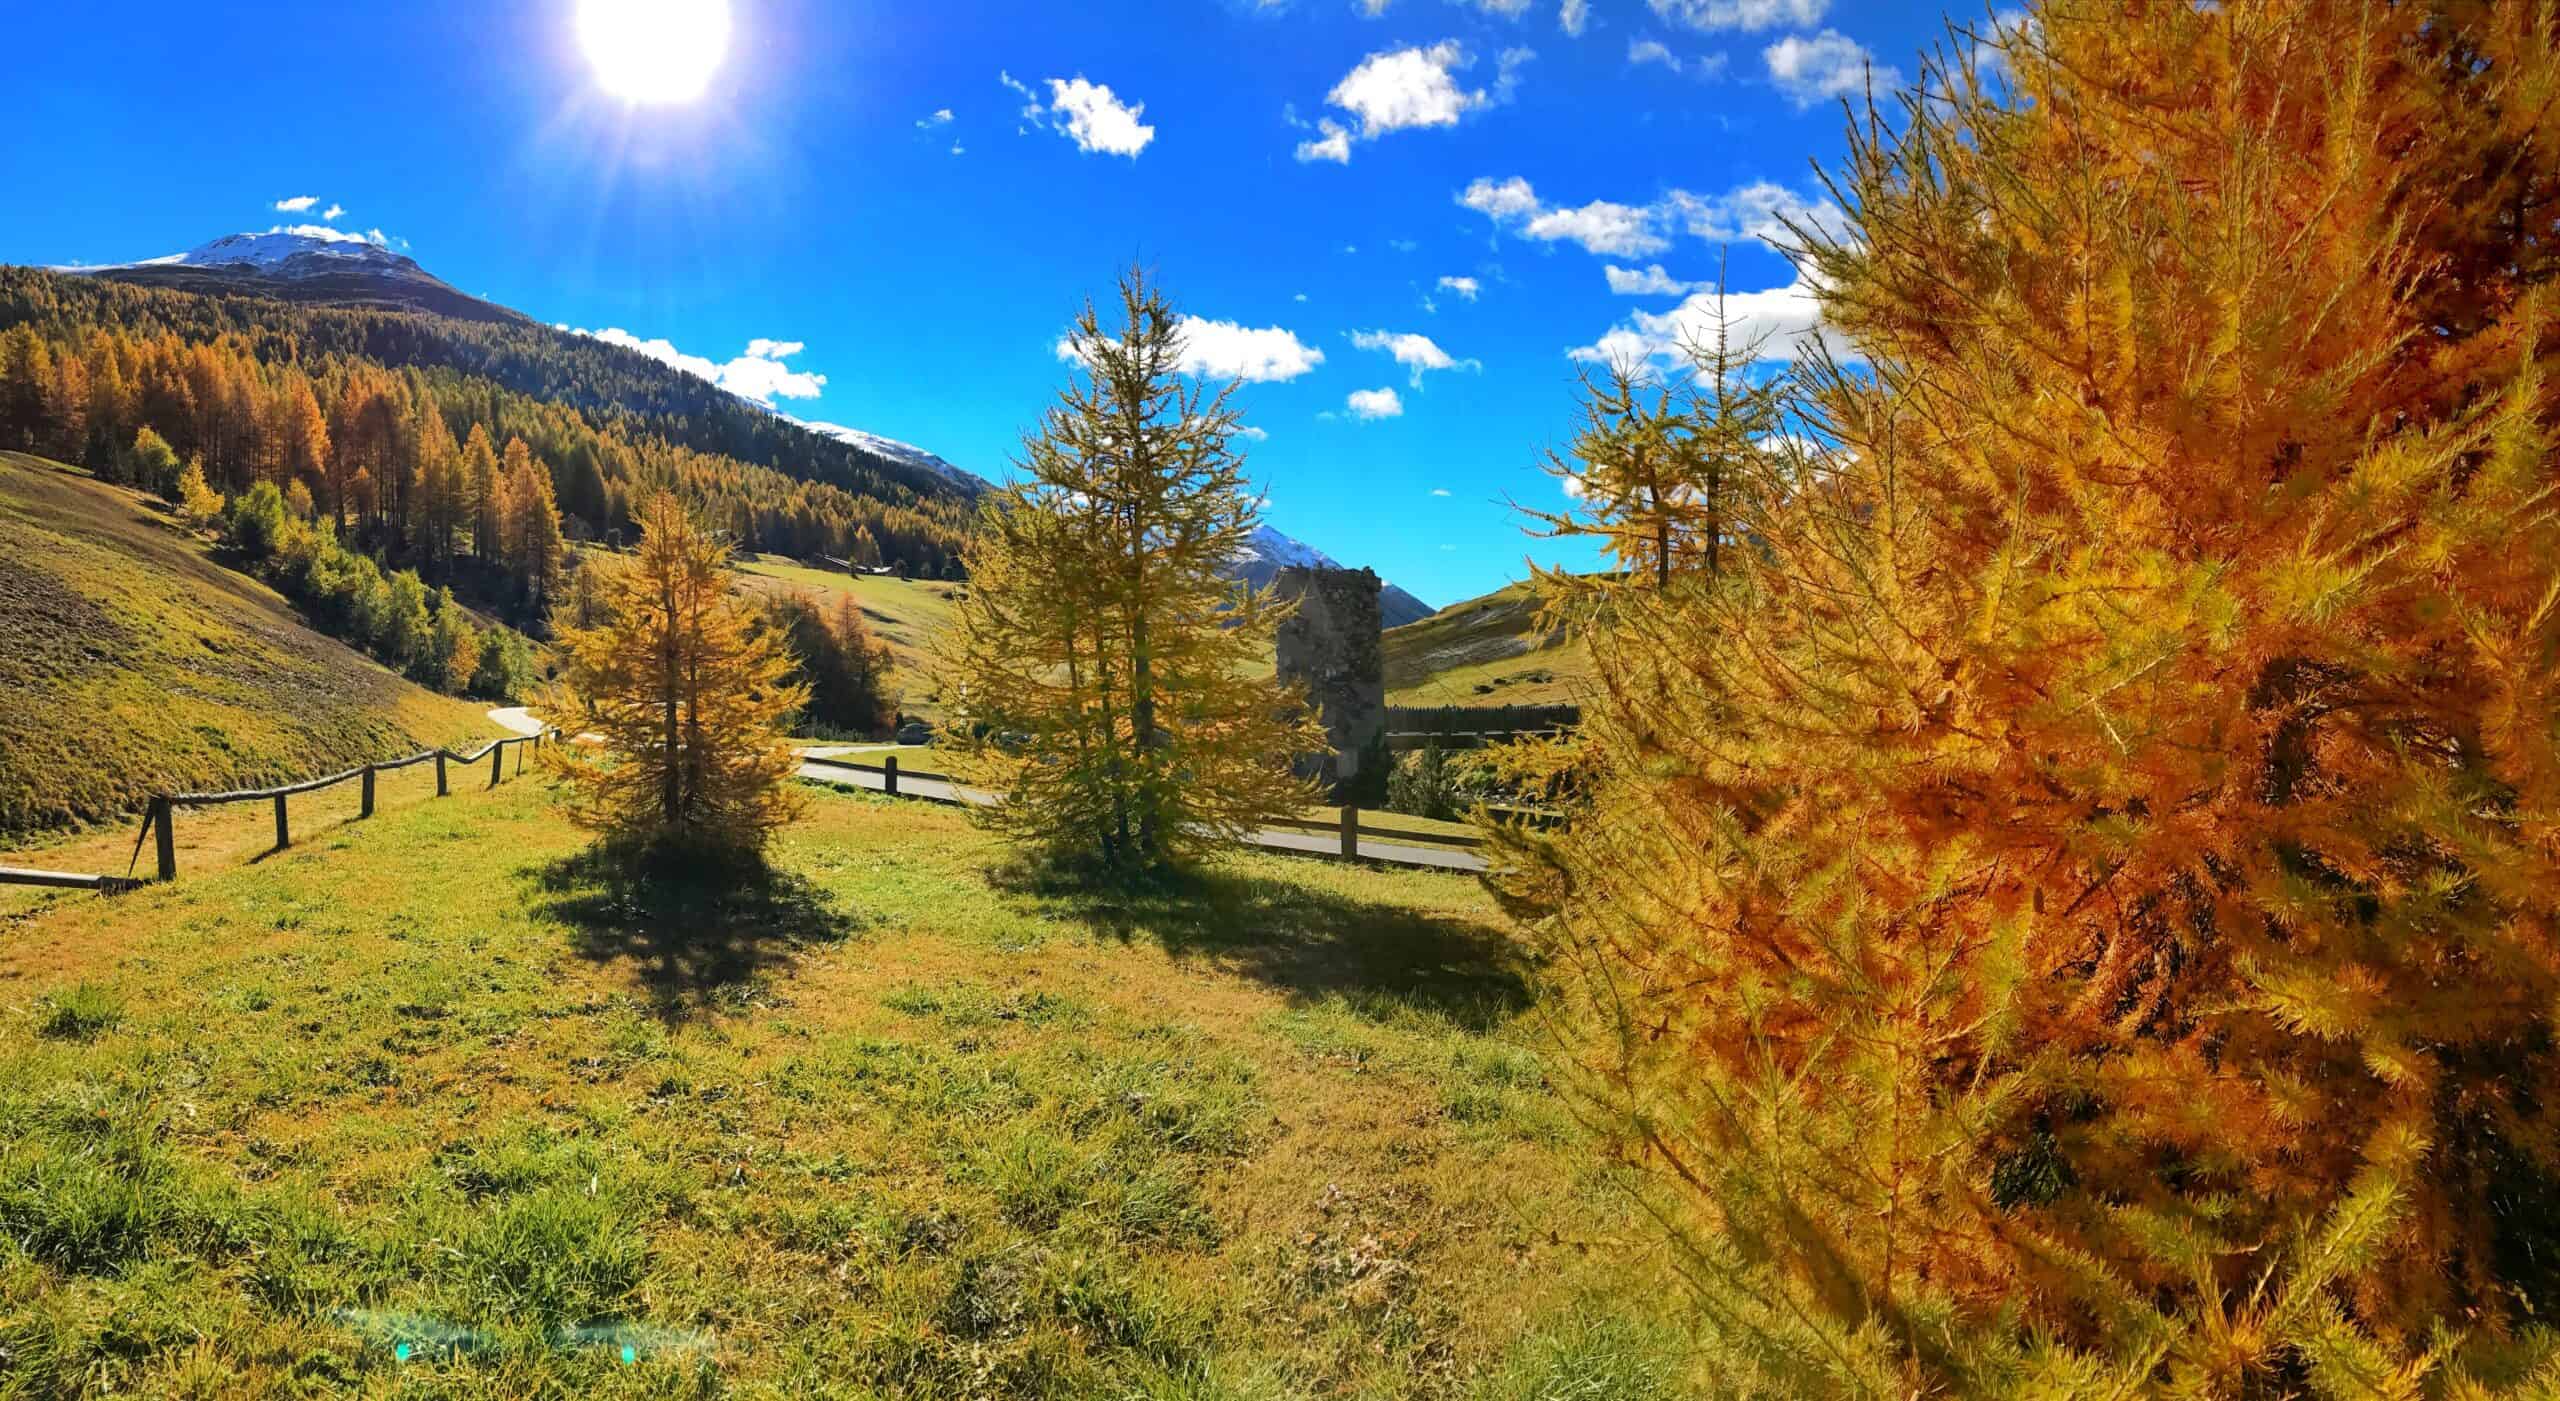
x=695 y=928
x=1313 y=943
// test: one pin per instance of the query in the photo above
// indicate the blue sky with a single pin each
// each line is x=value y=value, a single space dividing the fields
x=919 y=195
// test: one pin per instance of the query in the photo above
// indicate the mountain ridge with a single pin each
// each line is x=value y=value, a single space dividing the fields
x=325 y=267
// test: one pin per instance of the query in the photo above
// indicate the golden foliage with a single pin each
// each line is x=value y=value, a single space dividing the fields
x=2078 y=907
x=1103 y=674
x=687 y=690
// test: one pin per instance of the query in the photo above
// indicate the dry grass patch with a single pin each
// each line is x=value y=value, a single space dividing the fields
x=446 y=1106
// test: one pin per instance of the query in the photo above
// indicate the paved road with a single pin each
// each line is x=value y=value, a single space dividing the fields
x=1439 y=858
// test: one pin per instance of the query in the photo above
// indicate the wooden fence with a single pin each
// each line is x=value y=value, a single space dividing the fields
x=1468 y=726
x=1348 y=823
x=161 y=819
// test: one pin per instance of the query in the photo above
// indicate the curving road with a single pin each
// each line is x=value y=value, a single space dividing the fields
x=1438 y=858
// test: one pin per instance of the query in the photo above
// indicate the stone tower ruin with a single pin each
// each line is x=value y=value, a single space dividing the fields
x=1331 y=644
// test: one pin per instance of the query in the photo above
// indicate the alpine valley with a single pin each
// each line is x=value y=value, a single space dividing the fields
x=341 y=293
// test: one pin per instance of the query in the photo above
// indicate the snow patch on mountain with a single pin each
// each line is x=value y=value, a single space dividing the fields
x=907 y=453
x=1267 y=552
x=277 y=250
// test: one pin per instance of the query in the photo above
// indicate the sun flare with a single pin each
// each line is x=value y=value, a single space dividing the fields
x=654 y=51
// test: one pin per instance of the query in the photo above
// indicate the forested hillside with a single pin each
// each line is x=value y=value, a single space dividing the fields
x=341 y=401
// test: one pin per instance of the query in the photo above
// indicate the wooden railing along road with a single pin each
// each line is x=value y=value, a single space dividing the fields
x=159 y=822
x=160 y=818
x=1347 y=824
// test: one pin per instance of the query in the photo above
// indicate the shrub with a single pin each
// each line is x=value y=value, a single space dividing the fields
x=152 y=465
x=504 y=668
x=1428 y=782
x=200 y=504
x=257 y=523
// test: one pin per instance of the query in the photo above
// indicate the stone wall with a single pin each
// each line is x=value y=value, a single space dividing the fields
x=1331 y=644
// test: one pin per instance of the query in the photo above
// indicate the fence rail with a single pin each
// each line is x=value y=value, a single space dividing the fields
x=160 y=819
x=1348 y=824
x=65 y=880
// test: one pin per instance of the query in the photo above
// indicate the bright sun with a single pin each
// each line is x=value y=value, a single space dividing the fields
x=658 y=51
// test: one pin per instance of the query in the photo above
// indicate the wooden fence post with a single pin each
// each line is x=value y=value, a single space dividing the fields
x=441 y=790
x=497 y=765
x=284 y=833
x=520 y=748
x=889 y=775
x=1350 y=832
x=368 y=792
x=163 y=816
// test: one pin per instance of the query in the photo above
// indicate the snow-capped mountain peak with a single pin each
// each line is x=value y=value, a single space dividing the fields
x=1282 y=552
x=1267 y=552
x=908 y=453
x=280 y=252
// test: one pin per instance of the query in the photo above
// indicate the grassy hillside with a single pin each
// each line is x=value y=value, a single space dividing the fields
x=1485 y=651
x=134 y=664
x=899 y=1124
x=902 y=613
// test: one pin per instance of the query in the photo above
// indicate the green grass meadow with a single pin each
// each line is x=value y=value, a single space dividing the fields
x=439 y=1105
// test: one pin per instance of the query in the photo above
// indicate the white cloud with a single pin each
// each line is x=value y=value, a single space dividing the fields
x=1097 y=120
x=941 y=117
x=1466 y=287
x=1299 y=297
x=1255 y=435
x=1231 y=350
x=333 y=211
x=1084 y=112
x=1625 y=230
x=1374 y=404
x=959 y=150
x=326 y=234
x=1407 y=88
x=1439 y=491
x=1334 y=146
x=1506 y=75
x=1600 y=227
x=1777 y=320
x=1649 y=282
x=1509 y=199
x=1227 y=350
x=1034 y=111
x=299 y=204
x=759 y=374
x=1991 y=53
x=1828 y=65
x=1572 y=483
x=1741 y=14
x=1644 y=51
x=1416 y=352
x=1761 y=210
x=1574 y=17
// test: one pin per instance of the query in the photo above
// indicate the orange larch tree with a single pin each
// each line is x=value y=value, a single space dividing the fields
x=2078 y=908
